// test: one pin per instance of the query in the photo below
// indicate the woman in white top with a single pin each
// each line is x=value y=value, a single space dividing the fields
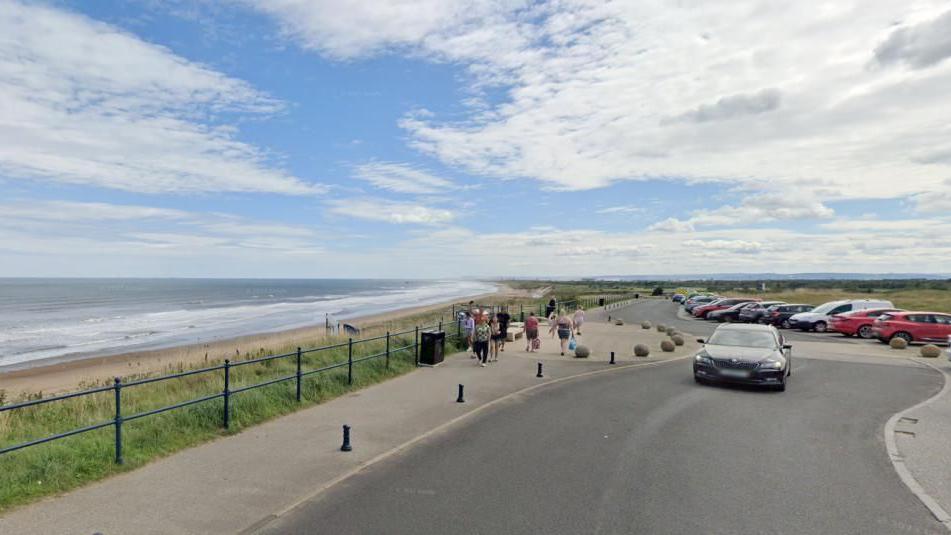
x=578 y=320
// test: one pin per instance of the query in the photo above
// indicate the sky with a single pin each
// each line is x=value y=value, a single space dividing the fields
x=473 y=138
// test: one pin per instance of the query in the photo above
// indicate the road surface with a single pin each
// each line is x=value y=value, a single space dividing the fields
x=645 y=450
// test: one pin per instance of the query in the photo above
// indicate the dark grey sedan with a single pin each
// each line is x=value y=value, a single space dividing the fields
x=744 y=354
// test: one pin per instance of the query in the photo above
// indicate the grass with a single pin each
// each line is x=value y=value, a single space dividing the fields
x=58 y=466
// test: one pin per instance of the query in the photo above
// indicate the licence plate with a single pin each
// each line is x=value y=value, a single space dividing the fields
x=735 y=373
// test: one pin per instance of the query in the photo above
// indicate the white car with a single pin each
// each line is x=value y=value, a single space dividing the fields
x=818 y=318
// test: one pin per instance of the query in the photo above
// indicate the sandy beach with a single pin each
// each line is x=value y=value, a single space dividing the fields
x=68 y=374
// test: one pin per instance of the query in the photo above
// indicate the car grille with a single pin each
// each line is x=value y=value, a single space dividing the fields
x=738 y=365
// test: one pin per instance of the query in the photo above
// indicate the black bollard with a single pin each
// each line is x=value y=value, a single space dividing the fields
x=609 y=319
x=460 y=399
x=346 y=439
x=612 y=357
x=539 y=374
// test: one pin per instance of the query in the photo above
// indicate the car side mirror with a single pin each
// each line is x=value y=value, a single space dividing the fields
x=787 y=346
x=701 y=340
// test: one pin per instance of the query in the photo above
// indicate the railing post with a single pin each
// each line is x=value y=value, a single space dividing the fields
x=117 y=386
x=387 y=350
x=299 y=374
x=227 y=394
x=350 y=361
x=416 y=346
x=440 y=325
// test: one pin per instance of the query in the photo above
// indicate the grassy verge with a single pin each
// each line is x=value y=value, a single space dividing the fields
x=71 y=462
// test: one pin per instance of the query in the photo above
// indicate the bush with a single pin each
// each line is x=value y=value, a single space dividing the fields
x=898 y=343
x=667 y=346
x=658 y=291
x=930 y=351
x=646 y=325
x=641 y=350
x=677 y=339
x=661 y=328
x=582 y=352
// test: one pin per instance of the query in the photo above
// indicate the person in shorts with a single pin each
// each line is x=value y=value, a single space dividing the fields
x=531 y=331
x=564 y=327
x=481 y=336
x=496 y=339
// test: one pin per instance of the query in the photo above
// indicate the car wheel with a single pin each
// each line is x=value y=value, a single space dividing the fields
x=906 y=336
x=820 y=327
x=697 y=379
x=781 y=387
x=848 y=335
x=865 y=331
x=784 y=324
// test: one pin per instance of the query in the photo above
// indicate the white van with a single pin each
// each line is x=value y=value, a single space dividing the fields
x=818 y=318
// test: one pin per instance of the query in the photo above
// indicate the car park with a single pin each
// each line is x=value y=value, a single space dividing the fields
x=694 y=302
x=755 y=311
x=745 y=354
x=932 y=327
x=720 y=304
x=729 y=315
x=859 y=322
x=778 y=315
x=818 y=318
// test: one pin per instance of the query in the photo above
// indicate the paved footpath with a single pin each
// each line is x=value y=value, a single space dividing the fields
x=247 y=480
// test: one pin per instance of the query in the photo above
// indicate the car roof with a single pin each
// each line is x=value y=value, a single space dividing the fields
x=746 y=327
x=906 y=312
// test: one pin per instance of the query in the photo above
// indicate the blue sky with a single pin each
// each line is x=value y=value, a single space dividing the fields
x=444 y=138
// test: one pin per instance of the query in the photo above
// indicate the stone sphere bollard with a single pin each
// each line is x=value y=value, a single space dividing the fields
x=582 y=352
x=667 y=346
x=930 y=351
x=661 y=328
x=619 y=321
x=646 y=325
x=677 y=340
x=898 y=343
x=641 y=350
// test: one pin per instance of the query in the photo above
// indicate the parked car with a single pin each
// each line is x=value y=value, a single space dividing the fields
x=779 y=315
x=729 y=315
x=755 y=311
x=719 y=304
x=694 y=302
x=913 y=326
x=678 y=298
x=748 y=354
x=818 y=319
x=859 y=322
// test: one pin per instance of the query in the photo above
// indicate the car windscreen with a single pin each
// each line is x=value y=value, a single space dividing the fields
x=743 y=338
x=823 y=308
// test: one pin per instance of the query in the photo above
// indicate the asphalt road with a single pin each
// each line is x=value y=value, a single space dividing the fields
x=645 y=450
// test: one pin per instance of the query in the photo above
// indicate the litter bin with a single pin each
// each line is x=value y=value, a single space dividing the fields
x=432 y=347
x=600 y=301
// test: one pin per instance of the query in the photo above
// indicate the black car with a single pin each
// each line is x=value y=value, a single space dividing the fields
x=755 y=312
x=745 y=354
x=729 y=315
x=779 y=315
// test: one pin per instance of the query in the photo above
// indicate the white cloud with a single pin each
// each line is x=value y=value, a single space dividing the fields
x=590 y=86
x=755 y=209
x=671 y=224
x=625 y=209
x=84 y=211
x=390 y=211
x=87 y=103
x=401 y=178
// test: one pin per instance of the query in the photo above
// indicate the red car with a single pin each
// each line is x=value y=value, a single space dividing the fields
x=859 y=322
x=913 y=326
x=720 y=304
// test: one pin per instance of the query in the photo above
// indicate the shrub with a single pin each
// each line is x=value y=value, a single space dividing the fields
x=582 y=352
x=658 y=291
x=661 y=328
x=930 y=351
x=641 y=350
x=898 y=343
x=667 y=346
x=646 y=325
x=677 y=339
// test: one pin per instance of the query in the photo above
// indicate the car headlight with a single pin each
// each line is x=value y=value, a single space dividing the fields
x=772 y=364
x=703 y=358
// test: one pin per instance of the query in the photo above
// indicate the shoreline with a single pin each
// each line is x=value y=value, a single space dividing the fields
x=62 y=374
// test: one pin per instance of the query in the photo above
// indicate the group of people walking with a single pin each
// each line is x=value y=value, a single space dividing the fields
x=487 y=333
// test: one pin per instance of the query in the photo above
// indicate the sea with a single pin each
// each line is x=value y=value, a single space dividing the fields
x=58 y=319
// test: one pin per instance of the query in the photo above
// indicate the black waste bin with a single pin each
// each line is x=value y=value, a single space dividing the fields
x=432 y=347
x=600 y=301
